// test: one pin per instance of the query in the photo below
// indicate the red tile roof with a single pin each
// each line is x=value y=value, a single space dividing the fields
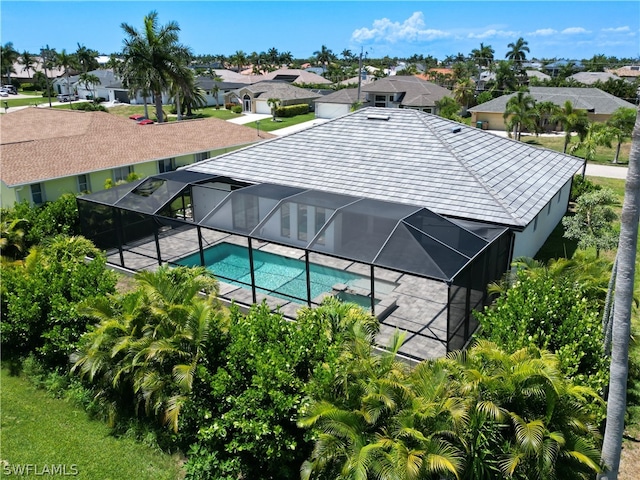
x=39 y=144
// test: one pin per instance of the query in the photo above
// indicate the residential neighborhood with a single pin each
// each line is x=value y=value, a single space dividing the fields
x=350 y=264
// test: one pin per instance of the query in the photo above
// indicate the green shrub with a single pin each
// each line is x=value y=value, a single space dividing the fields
x=292 y=110
x=236 y=109
x=580 y=186
x=90 y=107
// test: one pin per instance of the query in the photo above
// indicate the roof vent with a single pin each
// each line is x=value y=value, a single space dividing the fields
x=455 y=129
x=377 y=116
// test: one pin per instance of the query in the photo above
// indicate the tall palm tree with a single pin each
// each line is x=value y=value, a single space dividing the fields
x=238 y=59
x=28 y=62
x=89 y=80
x=274 y=103
x=483 y=56
x=545 y=111
x=621 y=124
x=8 y=56
x=624 y=287
x=153 y=58
x=506 y=81
x=68 y=63
x=463 y=92
x=517 y=52
x=324 y=56
x=598 y=134
x=86 y=58
x=572 y=120
x=520 y=113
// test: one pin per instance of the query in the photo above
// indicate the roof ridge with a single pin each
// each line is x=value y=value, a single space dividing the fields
x=488 y=189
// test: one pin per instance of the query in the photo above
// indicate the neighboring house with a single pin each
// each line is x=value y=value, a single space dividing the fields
x=487 y=76
x=339 y=103
x=254 y=98
x=424 y=211
x=589 y=78
x=226 y=82
x=49 y=152
x=296 y=76
x=628 y=72
x=599 y=105
x=405 y=92
x=102 y=89
x=21 y=75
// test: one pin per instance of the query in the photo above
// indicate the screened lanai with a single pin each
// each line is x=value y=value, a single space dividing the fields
x=417 y=271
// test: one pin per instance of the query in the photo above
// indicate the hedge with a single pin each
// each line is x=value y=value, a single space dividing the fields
x=292 y=110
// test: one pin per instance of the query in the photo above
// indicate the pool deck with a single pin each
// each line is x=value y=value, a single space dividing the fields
x=424 y=320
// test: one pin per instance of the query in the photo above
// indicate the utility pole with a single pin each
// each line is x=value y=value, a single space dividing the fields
x=359 y=74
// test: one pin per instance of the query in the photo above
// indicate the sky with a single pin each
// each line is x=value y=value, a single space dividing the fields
x=553 y=29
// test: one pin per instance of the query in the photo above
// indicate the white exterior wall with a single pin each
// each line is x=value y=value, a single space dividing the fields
x=331 y=110
x=528 y=242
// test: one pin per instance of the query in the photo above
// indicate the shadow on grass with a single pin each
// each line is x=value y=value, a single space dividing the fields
x=557 y=246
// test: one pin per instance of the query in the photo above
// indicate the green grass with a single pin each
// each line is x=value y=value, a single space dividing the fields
x=26 y=102
x=604 y=155
x=268 y=125
x=40 y=430
x=208 y=112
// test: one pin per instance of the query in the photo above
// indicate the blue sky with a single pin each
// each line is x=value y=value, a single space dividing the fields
x=571 y=29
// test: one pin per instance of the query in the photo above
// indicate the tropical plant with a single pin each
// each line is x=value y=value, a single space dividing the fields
x=516 y=52
x=483 y=56
x=153 y=59
x=68 y=63
x=324 y=56
x=506 y=81
x=28 y=62
x=40 y=297
x=621 y=124
x=274 y=103
x=520 y=114
x=8 y=56
x=86 y=58
x=571 y=120
x=598 y=134
x=624 y=288
x=545 y=111
x=238 y=59
x=12 y=237
x=592 y=223
x=149 y=342
x=447 y=107
x=463 y=92
x=89 y=80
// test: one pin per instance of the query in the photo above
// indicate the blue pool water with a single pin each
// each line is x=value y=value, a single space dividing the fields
x=274 y=274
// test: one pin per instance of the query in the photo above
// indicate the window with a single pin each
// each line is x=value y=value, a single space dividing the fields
x=285 y=220
x=381 y=101
x=120 y=174
x=166 y=165
x=37 y=194
x=321 y=219
x=427 y=110
x=198 y=157
x=302 y=223
x=83 y=183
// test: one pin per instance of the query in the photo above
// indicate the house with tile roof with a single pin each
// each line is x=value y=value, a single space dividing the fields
x=410 y=157
x=408 y=214
x=598 y=104
x=49 y=152
x=339 y=102
x=254 y=98
x=402 y=91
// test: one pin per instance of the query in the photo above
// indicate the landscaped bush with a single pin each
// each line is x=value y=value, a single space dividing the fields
x=229 y=106
x=580 y=186
x=236 y=109
x=292 y=110
x=40 y=299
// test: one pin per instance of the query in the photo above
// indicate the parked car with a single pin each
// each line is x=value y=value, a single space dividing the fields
x=3 y=93
x=67 y=97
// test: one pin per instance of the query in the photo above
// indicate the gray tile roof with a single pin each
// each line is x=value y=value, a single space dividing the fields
x=413 y=158
x=591 y=99
x=343 y=96
x=415 y=91
x=281 y=90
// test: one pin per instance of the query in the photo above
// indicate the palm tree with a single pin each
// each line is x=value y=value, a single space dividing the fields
x=506 y=81
x=545 y=111
x=89 y=80
x=572 y=120
x=86 y=58
x=624 y=288
x=463 y=92
x=274 y=103
x=286 y=58
x=67 y=62
x=517 y=52
x=28 y=62
x=238 y=59
x=148 y=343
x=483 y=56
x=324 y=56
x=520 y=113
x=153 y=58
x=621 y=123
x=598 y=134
x=8 y=56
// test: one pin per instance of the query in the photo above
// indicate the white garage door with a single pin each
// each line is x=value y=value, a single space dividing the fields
x=262 y=107
x=331 y=110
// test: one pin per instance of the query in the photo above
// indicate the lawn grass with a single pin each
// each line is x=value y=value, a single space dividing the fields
x=268 y=125
x=41 y=431
x=26 y=102
x=604 y=155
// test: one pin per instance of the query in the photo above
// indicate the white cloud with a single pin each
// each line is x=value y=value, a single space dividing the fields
x=617 y=29
x=412 y=29
x=574 y=30
x=542 y=32
x=492 y=32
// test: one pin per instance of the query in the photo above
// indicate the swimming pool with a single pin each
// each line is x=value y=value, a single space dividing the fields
x=274 y=274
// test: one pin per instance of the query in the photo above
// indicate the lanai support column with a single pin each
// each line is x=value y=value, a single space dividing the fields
x=306 y=267
x=198 y=229
x=253 y=274
x=373 y=292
